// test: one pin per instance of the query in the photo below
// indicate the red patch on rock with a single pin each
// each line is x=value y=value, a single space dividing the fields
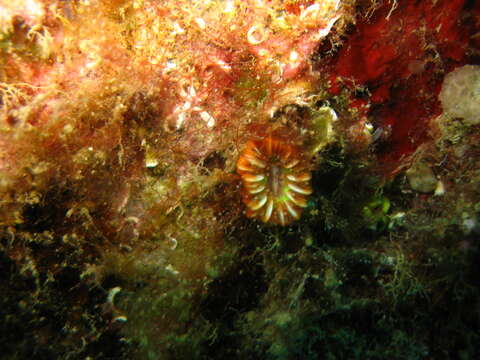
x=401 y=56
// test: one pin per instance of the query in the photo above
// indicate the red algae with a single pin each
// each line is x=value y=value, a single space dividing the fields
x=395 y=52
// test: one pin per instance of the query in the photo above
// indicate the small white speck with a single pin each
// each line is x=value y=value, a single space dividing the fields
x=229 y=7
x=255 y=35
x=177 y=29
x=209 y=119
x=440 y=189
x=111 y=294
x=170 y=268
x=201 y=23
x=180 y=120
x=293 y=56
x=121 y=319
x=170 y=65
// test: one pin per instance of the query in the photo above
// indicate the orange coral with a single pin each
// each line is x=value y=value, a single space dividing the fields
x=276 y=180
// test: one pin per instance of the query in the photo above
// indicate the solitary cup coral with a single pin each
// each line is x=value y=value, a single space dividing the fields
x=275 y=180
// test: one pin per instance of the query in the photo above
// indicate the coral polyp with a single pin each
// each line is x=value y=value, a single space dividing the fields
x=275 y=180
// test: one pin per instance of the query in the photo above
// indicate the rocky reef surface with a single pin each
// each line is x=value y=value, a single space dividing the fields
x=252 y=179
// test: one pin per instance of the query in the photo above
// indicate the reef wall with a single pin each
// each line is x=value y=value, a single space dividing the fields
x=245 y=179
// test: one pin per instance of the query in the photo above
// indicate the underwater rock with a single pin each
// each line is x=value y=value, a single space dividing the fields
x=421 y=178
